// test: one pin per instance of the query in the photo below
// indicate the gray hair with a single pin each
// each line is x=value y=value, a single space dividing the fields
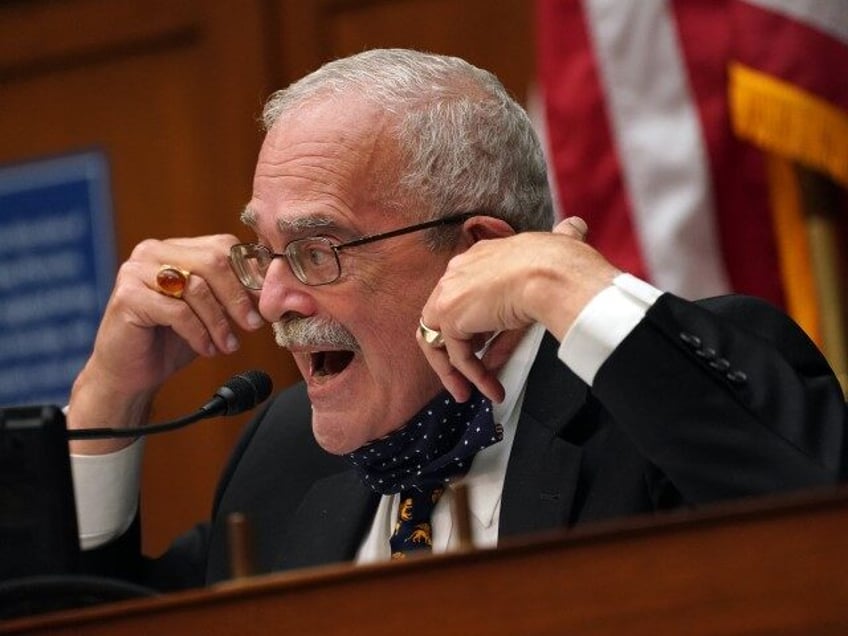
x=466 y=144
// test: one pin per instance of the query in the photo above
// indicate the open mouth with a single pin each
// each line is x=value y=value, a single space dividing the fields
x=329 y=363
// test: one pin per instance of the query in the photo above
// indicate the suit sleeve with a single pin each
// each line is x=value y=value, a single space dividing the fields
x=726 y=397
x=184 y=564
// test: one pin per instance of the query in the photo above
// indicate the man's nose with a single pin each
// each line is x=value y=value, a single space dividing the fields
x=283 y=293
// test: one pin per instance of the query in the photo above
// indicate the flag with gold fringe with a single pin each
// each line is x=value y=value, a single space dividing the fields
x=706 y=143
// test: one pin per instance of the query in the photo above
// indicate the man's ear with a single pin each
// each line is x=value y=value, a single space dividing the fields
x=480 y=228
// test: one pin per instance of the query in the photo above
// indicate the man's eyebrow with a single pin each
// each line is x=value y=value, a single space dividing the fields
x=299 y=225
x=304 y=224
x=248 y=216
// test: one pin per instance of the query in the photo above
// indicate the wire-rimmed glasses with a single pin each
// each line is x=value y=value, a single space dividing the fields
x=314 y=260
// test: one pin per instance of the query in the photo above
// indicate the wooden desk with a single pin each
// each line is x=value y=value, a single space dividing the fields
x=774 y=567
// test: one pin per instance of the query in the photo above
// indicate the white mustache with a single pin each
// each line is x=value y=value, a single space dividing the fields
x=313 y=332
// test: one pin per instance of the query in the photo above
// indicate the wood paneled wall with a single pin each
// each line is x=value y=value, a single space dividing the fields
x=171 y=90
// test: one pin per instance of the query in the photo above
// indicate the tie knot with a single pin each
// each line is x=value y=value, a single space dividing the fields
x=415 y=503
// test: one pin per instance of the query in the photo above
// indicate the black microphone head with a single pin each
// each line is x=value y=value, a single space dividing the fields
x=242 y=392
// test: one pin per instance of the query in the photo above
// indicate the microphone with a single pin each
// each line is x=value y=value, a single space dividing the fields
x=240 y=393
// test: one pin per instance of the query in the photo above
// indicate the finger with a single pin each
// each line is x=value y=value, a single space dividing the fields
x=205 y=258
x=573 y=226
x=458 y=367
x=464 y=360
x=180 y=318
x=224 y=289
x=147 y=308
x=454 y=382
x=456 y=362
x=204 y=304
x=209 y=310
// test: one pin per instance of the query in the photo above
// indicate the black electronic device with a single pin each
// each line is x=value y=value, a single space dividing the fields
x=38 y=522
x=39 y=544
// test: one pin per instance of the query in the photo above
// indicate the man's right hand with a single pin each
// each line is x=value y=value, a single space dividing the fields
x=146 y=336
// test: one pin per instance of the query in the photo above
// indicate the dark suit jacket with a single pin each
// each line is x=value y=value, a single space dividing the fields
x=702 y=402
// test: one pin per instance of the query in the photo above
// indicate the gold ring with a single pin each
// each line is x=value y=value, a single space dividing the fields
x=432 y=337
x=171 y=281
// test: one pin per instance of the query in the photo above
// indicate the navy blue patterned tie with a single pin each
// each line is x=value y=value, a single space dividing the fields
x=413 y=531
x=420 y=459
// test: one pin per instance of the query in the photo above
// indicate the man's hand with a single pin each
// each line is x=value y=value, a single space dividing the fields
x=146 y=336
x=507 y=284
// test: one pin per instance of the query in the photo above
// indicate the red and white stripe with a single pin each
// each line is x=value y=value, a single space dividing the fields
x=641 y=145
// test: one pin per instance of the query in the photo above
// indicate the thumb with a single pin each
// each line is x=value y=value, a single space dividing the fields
x=573 y=226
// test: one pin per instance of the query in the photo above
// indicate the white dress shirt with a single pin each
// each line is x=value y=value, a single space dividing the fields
x=106 y=486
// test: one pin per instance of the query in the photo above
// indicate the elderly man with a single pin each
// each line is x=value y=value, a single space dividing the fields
x=403 y=247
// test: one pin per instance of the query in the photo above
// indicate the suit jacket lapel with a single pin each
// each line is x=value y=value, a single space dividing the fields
x=329 y=524
x=544 y=467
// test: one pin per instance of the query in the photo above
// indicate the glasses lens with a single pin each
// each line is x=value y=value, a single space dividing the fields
x=313 y=260
x=250 y=262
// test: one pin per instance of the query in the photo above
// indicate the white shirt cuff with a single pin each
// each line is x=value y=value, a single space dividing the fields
x=604 y=322
x=106 y=490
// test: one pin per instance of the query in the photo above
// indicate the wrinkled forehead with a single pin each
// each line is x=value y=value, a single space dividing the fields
x=323 y=166
x=347 y=121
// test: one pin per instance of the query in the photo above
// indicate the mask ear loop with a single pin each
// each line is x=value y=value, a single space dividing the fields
x=486 y=345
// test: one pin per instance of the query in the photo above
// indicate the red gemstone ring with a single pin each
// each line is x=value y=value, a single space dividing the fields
x=171 y=281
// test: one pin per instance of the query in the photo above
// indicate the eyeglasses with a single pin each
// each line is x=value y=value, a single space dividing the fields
x=314 y=260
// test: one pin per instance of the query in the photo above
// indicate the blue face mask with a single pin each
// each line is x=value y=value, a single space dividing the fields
x=435 y=446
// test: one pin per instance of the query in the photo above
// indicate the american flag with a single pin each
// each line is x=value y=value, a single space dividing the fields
x=676 y=129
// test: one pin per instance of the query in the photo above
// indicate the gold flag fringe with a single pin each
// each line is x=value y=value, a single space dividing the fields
x=786 y=120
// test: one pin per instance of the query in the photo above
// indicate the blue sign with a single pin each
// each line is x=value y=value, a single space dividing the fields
x=57 y=267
